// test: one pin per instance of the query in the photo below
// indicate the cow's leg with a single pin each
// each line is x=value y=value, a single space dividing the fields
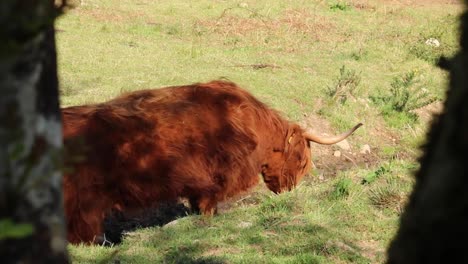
x=203 y=204
x=94 y=220
x=93 y=206
x=208 y=205
x=83 y=227
x=194 y=205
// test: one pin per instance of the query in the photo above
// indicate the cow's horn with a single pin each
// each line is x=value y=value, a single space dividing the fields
x=330 y=140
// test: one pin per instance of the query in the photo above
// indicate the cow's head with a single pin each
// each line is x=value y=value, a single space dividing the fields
x=286 y=166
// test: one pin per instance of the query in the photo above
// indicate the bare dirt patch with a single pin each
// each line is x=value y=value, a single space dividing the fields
x=326 y=163
x=427 y=113
x=371 y=250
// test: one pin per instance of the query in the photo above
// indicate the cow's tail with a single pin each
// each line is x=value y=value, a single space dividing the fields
x=330 y=140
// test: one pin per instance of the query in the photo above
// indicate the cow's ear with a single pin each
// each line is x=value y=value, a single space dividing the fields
x=293 y=136
x=289 y=136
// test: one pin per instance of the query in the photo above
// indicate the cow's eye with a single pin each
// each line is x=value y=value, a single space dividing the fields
x=298 y=156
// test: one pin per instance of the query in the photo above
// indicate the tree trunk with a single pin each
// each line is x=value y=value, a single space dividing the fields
x=32 y=226
x=434 y=226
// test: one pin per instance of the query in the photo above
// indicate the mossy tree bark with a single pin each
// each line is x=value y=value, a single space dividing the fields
x=32 y=228
x=434 y=226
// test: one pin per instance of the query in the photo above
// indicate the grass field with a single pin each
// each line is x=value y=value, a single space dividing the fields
x=326 y=64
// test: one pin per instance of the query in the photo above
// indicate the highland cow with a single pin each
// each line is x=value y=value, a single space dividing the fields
x=203 y=142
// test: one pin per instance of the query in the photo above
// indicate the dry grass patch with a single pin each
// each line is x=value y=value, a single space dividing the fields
x=221 y=251
x=371 y=250
x=110 y=15
x=291 y=21
x=388 y=197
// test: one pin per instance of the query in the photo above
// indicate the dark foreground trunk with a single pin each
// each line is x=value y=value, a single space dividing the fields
x=31 y=215
x=434 y=226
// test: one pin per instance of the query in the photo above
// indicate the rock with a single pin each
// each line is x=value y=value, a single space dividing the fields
x=365 y=149
x=337 y=153
x=244 y=224
x=344 y=145
x=172 y=223
x=433 y=42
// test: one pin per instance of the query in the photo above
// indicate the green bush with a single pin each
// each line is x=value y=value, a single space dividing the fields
x=405 y=95
x=374 y=175
x=341 y=189
x=345 y=85
x=340 y=6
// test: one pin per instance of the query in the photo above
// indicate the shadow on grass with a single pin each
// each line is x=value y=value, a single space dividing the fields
x=296 y=238
x=93 y=254
x=187 y=254
x=118 y=223
x=280 y=238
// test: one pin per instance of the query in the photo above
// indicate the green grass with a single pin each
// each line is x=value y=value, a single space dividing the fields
x=324 y=60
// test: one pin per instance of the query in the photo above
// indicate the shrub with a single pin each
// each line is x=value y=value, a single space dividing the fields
x=345 y=86
x=340 y=6
x=341 y=189
x=406 y=94
x=372 y=176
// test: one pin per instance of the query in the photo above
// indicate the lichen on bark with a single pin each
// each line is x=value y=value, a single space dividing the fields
x=30 y=134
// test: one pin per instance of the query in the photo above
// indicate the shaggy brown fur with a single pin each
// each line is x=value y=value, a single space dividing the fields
x=203 y=142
